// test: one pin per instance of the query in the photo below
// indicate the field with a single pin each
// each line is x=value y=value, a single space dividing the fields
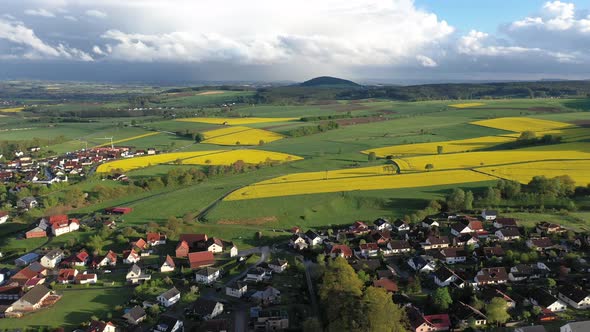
x=11 y=110
x=520 y=124
x=239 y=135
x=129 y=139
x=343 y=184
x=578 y=170
x=235 y=121
x=466 y=105
x=248 y=156
x=139 y=162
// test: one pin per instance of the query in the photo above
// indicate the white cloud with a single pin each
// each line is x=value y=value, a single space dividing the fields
x=35 y=48
x=96 y=13
x=71 y=18
x=96 y=49
x=426 y=61
x=39 y=12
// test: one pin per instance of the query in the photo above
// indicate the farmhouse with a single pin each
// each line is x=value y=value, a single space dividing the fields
x=574 y=296
x=182 y=249
x=67 y=276
x=36 y=233
x=193 y=239
x=63 y=227
x=169 y=297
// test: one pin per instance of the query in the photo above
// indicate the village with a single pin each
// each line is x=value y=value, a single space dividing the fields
x=490 y=271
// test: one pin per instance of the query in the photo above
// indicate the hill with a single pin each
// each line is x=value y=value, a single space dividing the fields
x=327 y=81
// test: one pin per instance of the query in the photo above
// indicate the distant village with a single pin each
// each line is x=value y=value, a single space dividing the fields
x=203 y=282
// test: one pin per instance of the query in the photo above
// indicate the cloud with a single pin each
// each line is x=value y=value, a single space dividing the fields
x=70 y=18
x=96 y=13
x=39 y=12
x=426 y=61
x=35 y=48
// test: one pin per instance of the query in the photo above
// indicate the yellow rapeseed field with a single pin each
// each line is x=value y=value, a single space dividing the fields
x=129 y=138
x=139 y=162
x=466 y=105
x=520 y=124
x=247 y=155
x=235 y=121
x=488 y=158
x=239 y=135
x=333 y=174
x=11 y=110
x=377 y=182
x=462 y=145
x=523 y=173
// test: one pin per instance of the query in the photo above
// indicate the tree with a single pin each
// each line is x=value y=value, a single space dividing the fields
x=496 y=311
x=261 y=142
x=96 y=243
x=429 y=167
x=415 y=285
x=382 y=314
x=527 y=136
x=74 y=197
x=441 y=298
x=439 y=149
x=312 y=324
x=468 y=202
x=550 y=283
x=372 y=156
x=456 y=200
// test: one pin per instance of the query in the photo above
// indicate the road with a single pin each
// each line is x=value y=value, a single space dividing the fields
x=312 y=296
x=264 y=253
x=203 y=213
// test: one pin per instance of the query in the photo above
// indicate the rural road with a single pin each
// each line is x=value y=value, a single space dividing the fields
x=210 y=207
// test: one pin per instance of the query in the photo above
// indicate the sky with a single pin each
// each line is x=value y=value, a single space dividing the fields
x=293 y=40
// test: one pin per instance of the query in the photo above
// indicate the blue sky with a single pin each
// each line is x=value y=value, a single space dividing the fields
x=267 y=40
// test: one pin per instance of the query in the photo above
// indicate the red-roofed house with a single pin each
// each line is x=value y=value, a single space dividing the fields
x=99 y=326
x=369 y=249
x=430 y=323
x=67 y=276
x=182 y=249
x=79 y=259
x=155 y=239
x=140 y=244
x=193 y=239
x=341 y=250
x=201 y=259
x=119 y=210
x=359 y=227
x=110 y=259
x=66 y=226
x=168 y=265
x=387 y=284
x=86 y=278
x=130 y=256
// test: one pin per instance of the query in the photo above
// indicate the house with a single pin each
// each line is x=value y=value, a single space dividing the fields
x=86 y=278
x=508 y=234
x=155 y=239
x=489 y=215
x=207 y=275
x=369 y=249
x=359 y=228
x=67 y=276
x=168 y=265
x=119 y=210
x=436 y=242
x=101 y=326
x=131 y=256
x=574 y=296
x=4 y=275
x=24 y=276
x=401 y=226
x=466 y=315
x=380 y=237
x=533 y=328
x=258 y=274
x=169 y=297
x=236 y=289
x=505 y=222
x=340 y=250
x=3 y=217
x=32 y=300
x=421 y=264
x=193 y=239
x=269 y=295
x=452 y=255
x=200 y=259
x=27 y=203
x=35 y=233
x=399 y=247
x=140 y=244
x=26 y=259
x=214 y=245
x=470 y=239
x=298 y=242
x=271 y=320
x=421 y=323
x=522 y=272
x=136 y=275
x=168 y=323
x=583 y=326
x=485 y=253
x=544 y=299
x=313 y=239
x=52 y=258
x=78 y=259
x=60 y=228
x=110 y=259
x=135 y=315
x=540 y=244
x=233 y=251
x=488 y=293
x=444 y=276
x=387 y=284
x=10 y=293
x=206 y=309
x=382 y=224
x=492 y=275
x=278 y=265
x=429 y=223
x=182 y=249
x=549 y=228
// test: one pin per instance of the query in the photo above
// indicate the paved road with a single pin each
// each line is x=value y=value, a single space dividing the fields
x=312 y=296
x=263 y=251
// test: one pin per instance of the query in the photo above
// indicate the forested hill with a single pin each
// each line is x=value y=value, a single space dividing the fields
x=330 y=82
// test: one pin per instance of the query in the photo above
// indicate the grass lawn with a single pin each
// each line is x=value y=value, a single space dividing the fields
x=74 y=308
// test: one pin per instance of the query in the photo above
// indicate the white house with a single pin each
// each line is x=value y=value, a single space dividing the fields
x=574 y=296
x=131 y=257
x=297 y=242
x=401 y=226
x=214 y=245
x=543 y=299
x=258 y=274
x=168 y=265
x=313 y=239
x=429 y=223
x=136 y=275
x=236 y=289
x=3 y=217
x=207 y=275
x=421 y=264
x=233 y=251
x=444 y=276
x=278 y=265
x=489 y=214
x=60 y=228
x=270 y=295
x=382 y=224
x=52 y=259
x=86 y=278
x=207 y=309
x=508 y=234
x=454 y=255
x=169 y=297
